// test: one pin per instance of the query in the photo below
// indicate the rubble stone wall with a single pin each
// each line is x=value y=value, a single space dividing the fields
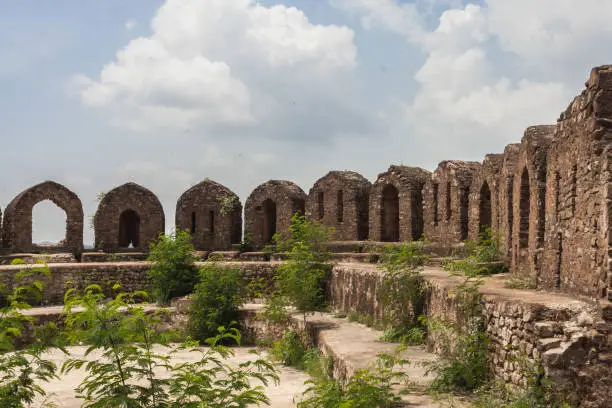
x=340 y=200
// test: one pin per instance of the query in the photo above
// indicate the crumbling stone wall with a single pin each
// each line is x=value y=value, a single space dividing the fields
x=17 y=225
x=446 y=204
x=396 y=204
x=578 y=201
x=340 y=200
x=128 y=217
x=529 y=196
x=506 y=194
x=212 y=214
x=269 y=209
x=484 y=197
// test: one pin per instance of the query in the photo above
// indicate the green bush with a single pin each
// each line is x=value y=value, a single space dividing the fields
x=173 y=272
x=366 y=388
x=483 y=255
x=291 y=349
x=127 y=375
x=216 y=300
x=402 y=292
x=23 y=369
x=301 y=279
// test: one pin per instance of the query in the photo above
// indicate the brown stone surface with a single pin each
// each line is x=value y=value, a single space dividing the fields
x=128 y=217
x=340 y=200
x=17 y=224
x=212 y=214
x=396 y=204
x=506 y=194
x=484 y=199
x=269 y=209
x=529 y=195
x=446 y=205
x=578 y=196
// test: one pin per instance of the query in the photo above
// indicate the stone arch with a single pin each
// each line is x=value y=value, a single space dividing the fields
x=212 y=213
x=17 y=225
x=287 y=199
x=268 y=220
x=524 y=209
x=447 y=201
x=128 y=214
x=340 y=199
x=485 y=208
x=389 y=214
x=406 y=222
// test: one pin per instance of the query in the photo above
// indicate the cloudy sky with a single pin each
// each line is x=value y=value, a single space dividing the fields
x=166 y=93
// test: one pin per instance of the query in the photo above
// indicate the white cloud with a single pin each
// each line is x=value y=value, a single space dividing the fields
x=130 y=24
x=212 y=63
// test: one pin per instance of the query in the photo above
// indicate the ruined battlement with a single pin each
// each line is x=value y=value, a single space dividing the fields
x=549 y=196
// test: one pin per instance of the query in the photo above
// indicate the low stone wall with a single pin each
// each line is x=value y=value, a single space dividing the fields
x=131 y=275
x=569 y=336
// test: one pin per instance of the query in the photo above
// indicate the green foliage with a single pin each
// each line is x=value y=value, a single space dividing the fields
x=367 y=388
x=540 y=392
x=227 y=204
x=22 y=370
x=301 y=279
x=216 y=300
x=520 y=282
x=483 y=255
x=173 y=272
x=463 y=364
x=247 y=244
x=133 y=370
x=291 y=349
x=402 y=292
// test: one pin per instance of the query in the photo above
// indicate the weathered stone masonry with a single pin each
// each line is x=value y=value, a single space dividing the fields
x=269 y=209
x=128 y=217
x=17 y=224
x=212 y=214
x=340 y=200
x=396 y=204
x=447 y=195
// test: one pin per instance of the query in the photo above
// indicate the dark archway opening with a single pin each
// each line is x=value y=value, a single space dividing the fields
x=321 y=204
x=269 y=220
x=524 y=208
x=390 y=214
x=484 y=222
x=129 y=229
x=435 y=203
x=416 y=214
x=464 y=212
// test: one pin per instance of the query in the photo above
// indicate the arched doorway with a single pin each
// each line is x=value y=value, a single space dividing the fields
x=390 y=214
x=269 y=220
x=48 y=225
x=416 y=214
x=129 y=229
x=524 y=208
x=485 y=218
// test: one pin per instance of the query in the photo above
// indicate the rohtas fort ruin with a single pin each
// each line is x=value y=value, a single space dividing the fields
x=548 y=199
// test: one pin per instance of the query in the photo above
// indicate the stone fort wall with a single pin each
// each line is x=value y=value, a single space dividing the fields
x=549 y=196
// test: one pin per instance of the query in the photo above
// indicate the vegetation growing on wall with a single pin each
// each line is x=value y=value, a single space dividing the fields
x=402 y=292
x=173 y=271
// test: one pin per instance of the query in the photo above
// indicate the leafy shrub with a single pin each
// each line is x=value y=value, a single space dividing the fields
x=216 y=300
x=302 y=277
x=540 y=392
x=483 y=255
x=367 y=388
x=127 y=373
x=403 y=285
x=173 y=272
x=463 y=364
x=22 y=370
x=247 y=243
x=293 y=350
